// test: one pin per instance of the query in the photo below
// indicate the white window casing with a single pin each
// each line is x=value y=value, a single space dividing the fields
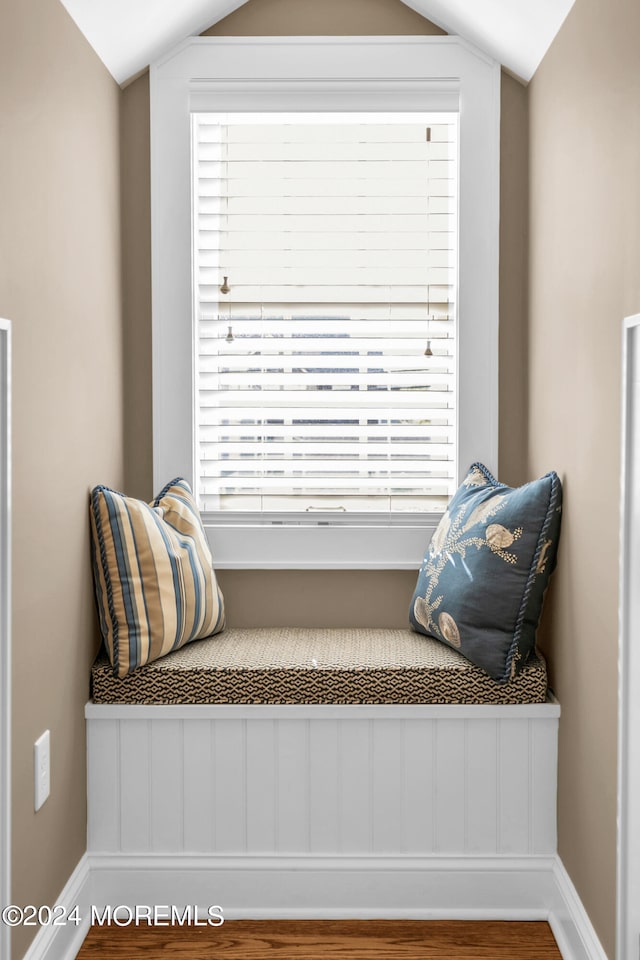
x=210 y=77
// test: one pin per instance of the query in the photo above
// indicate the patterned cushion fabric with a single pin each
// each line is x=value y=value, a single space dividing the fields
x=155 y=585
x=316 y=665
x=481 y=585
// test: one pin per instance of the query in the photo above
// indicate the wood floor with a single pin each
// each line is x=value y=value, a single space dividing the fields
x=326 y=940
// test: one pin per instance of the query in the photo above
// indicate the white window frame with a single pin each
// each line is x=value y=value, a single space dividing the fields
x=323 y=73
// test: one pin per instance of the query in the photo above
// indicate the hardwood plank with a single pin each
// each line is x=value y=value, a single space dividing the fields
x=327 y=940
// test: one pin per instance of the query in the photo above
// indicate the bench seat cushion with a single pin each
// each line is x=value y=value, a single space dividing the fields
x=308 y=665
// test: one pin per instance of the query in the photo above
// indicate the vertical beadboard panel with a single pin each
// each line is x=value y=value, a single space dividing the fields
x=230 y=786
x=355 y=787
x=135 y=799
x=293 y=786
x=262 y=777
x=324 y=786
x=199 y=803
x=103 y=768
x=514 y=786
x=309 y=785
x=167 y=786
x=450 y=785
x=387 y=783
x=543 y=788
x=482 y=787
x=418 y=795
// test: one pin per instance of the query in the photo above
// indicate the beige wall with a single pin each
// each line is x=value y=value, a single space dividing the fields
x=584 y=278
x=514 y=225
x=316 y=597
x=136 y=286
x=290 y=18
x=60 y=285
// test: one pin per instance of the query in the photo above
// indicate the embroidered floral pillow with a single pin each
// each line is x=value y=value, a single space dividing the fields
x=482 y=582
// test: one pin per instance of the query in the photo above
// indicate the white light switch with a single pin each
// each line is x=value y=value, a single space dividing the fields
x=41 y=765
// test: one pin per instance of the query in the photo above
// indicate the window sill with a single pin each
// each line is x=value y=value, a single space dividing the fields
x=362 y=543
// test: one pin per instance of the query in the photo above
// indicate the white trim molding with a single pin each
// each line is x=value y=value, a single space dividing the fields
x=420 y=888
x=296 y=887
x=286 y=74
x=63 y=942
x=628 y=898
x=5 y=629
x=571 y=926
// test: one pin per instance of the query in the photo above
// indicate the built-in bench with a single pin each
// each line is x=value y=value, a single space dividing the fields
x=322 y=772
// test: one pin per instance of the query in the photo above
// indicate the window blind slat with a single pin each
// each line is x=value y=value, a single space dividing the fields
x=226 y=449
x=357 y=407
x=314 y=205
x=327 y=295
x=378 y=239
x=326 y=483
x=408 y=321
x=218 y=435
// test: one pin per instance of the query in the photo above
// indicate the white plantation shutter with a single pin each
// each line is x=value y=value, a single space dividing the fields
x=337 y=236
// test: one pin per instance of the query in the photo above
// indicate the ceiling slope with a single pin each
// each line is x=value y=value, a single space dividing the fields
x=128 y=35
x=516 y=33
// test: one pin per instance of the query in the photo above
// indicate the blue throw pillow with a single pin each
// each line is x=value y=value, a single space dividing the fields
x=482 y=582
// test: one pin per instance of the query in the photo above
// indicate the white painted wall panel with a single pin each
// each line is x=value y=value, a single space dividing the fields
x=324 y=786
x=292 y=813
x=543 y=767
x=386 y=787
x=419 y=787
x=351 y=781
x=355 y=787
x=514 y=785
x=261 y=764
x=450 y=784
x=103 y=777
x=229 y=786
x=166 y=808
x=199 y=786
x=481 y=794
x=135 y=799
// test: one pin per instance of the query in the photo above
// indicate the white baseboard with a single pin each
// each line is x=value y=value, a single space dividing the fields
x=64 y=942
x=569 y=921
x=464 y=888
x=331 y=887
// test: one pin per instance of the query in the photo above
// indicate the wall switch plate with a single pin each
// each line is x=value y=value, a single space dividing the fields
x=42 y=772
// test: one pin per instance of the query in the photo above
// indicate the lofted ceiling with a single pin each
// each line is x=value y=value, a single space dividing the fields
x=128 y=35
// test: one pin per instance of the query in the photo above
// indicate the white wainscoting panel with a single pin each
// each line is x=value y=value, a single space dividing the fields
x=322 y=780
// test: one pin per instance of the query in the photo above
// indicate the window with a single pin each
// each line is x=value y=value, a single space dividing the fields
x=324 y=347
x=324 y=268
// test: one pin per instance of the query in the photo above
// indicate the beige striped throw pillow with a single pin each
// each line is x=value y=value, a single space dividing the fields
x=153 y=573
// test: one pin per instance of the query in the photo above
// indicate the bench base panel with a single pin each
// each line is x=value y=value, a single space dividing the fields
x=323 y=781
